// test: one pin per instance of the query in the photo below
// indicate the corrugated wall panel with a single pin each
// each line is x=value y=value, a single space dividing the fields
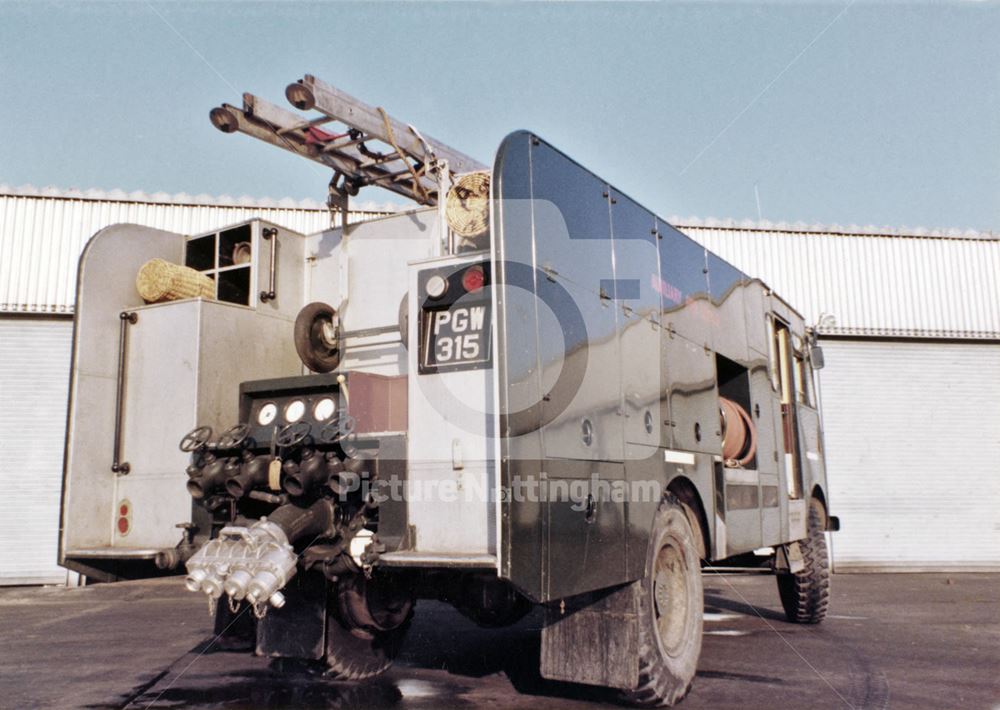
x=42 y=238
x=34 y=379
x=912 y=446
x=881 y=285
x=871 y=284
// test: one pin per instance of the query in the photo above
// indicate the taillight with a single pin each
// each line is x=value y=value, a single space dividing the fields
x=473 y=279
x=124 y=522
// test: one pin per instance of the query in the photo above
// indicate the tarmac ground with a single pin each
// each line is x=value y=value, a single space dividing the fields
x=891 y=641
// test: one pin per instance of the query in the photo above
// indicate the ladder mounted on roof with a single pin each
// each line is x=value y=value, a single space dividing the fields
x=368 y=147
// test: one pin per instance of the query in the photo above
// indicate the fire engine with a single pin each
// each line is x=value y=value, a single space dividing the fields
x=527 y=391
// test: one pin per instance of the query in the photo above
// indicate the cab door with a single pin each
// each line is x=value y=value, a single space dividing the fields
x=784 y=360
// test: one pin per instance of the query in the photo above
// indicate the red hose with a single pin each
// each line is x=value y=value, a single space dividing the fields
x=739 y=435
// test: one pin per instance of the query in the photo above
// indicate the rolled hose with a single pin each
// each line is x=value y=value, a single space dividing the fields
x=739 y=435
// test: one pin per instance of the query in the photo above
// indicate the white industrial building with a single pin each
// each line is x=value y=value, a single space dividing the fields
x=909 y=322
x=910 y=396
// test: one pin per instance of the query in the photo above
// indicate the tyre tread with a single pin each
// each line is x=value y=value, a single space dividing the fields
x=654 y=689
x=805 y=595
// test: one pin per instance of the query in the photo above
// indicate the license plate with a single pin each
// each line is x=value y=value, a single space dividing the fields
x=456 y=338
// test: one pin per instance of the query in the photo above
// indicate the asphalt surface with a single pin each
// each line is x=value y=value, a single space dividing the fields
x=899 y=641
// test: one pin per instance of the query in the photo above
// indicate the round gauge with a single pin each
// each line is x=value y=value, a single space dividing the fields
x=436 y=286
x=294 y=411
x=267 y=413
x=324 y=409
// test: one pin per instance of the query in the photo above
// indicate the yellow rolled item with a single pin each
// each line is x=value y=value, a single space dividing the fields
x=468 y=205
x=159 y=280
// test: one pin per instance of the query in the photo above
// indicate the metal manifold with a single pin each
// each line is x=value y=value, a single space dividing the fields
x=251 y=564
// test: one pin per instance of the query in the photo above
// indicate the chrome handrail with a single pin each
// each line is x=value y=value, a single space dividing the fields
x=126 y=319
x=270 y=234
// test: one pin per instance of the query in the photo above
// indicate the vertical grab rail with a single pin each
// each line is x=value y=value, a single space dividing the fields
x=270 y=234
x=125 y=320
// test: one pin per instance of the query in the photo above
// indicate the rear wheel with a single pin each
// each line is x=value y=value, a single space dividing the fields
x=805 y=595
x=671 y=604
x=365 y=628
x=355 y=654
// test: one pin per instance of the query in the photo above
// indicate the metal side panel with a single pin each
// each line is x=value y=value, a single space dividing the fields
x=519 y=388
x=289 y=265
x=577 y=314
x=743 y=510
x=683 y=284
x=105 y=287
x=451 y=469
x=637 y=293
x=693 y=396
x=646 y=473
x=763 y=404
x=160 y=406
x=585 y=542
x=756 y=321
x=728 y=314
x=353 y=274
x=238 y=345
x=376 y=257
x=186 y=362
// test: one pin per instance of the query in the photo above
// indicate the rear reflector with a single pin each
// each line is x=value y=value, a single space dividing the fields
x=124 y=521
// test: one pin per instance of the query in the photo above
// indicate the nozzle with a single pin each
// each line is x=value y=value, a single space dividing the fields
x=193 y=581
x=237 y=583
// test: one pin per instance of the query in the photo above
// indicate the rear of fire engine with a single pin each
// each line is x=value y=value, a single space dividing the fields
x=386 y=410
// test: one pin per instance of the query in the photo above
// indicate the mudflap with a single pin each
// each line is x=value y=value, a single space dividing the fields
x=593 y=639
x=298 y=629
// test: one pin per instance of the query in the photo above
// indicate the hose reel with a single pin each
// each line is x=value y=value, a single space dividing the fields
x=739 y=434
x=467 y=208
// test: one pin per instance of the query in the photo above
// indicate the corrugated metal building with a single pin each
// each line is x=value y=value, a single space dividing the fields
x=910 y=324
x=42 y=233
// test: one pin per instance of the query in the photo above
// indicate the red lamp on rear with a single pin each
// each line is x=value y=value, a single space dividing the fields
x=473 y=279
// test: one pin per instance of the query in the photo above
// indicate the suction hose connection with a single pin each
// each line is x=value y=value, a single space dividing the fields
x=254 y=563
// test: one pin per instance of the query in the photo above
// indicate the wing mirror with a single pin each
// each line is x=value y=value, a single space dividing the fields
x=816 y=357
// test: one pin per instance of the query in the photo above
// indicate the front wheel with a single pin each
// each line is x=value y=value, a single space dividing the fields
x=671 y=606
x=805 y=595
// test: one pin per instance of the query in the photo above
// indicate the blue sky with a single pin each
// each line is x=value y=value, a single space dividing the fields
x=839 y=112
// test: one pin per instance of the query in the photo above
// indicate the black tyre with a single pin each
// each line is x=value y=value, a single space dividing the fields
x=805 y=595
x=671 y=604
x=366 y=624
x=357 y=654
x=317 y=338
